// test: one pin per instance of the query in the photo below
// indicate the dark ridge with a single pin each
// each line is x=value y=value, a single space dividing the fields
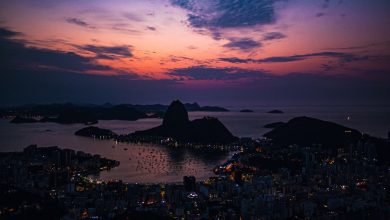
x=120 y=112
x=19 y=120
x=211 y=109
x=274 y=125
x=77 y=113
x=192 y=106
x=70 y=114
x=246 y=110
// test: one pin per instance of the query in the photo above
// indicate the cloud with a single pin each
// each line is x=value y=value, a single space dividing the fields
x=46 y=4
x=173 y=58
x=227 y=13
x=211 y=73
x=347 y=57
x=273 y=36
x=252 y=86
x=35 y=75
x=79 y=22
x=326 y=4
x=236 y=60
x=133 y=17
x=6 y=33
x=320 y=14
x=244 y=44
x=192 y=47
x=108 y=52
x=151 y=28
x=213 y=16
x=23 y=86
x=35 y=86
x=281 y=59
x=15 y=55
x=363 y=46
x=125 y=30
x=25 y=79
x=339 y=60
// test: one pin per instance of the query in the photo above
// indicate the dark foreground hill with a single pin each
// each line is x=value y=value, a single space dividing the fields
x=307 y=131
x=176 y=124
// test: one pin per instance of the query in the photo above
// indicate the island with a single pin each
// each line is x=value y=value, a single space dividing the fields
x=177 y=125
x=246 y=110
x=96 y=132
x=275 y=111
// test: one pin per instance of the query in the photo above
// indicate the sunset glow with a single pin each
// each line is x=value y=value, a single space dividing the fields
x=175 y=39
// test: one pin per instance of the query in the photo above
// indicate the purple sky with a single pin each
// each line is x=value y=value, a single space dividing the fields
x=223 y=52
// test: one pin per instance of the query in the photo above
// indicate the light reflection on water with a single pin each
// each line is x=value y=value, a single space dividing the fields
x=154 y=163
x=142 y=163
x=151 y=163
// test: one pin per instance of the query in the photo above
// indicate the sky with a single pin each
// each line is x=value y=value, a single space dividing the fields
x=225 y=52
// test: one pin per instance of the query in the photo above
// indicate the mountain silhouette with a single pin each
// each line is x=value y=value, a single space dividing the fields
x=176 y=124
x=176 y=115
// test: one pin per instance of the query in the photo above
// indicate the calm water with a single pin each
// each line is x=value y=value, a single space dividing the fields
x=154 y=163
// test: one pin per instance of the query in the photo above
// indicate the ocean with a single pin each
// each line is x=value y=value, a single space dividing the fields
x=150 y=163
